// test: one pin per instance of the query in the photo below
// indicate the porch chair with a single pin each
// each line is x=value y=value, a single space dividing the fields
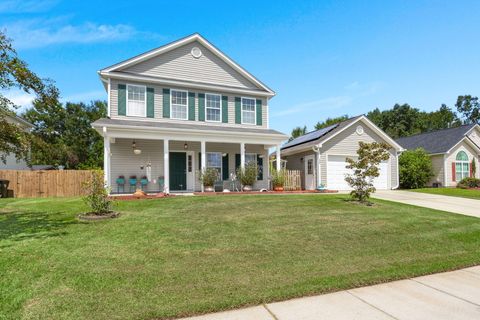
x=121 y=183
x=133 y=183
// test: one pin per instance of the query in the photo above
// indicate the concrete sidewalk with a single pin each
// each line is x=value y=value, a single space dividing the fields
x=469 y=207
x=450 y=295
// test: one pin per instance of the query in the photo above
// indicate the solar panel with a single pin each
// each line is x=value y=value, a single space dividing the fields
x=314 y=135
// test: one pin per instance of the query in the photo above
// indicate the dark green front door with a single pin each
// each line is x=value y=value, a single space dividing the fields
x=178 y=171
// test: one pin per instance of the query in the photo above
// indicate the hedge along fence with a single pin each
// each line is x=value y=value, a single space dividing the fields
x=293 y=180
x=46 y=183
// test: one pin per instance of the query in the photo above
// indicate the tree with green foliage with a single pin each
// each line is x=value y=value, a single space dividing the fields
x=15 y=74
x=469 y=108
x=297 y=132
x=330 y=121
x=366 y=169
x=63 y=135
x=415 y=169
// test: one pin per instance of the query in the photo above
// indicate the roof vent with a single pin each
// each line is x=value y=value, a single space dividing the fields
x=196 y=52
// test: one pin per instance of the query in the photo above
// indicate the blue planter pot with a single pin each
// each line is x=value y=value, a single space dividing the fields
x=133 y=181
x=144 y=182
x=120 y=181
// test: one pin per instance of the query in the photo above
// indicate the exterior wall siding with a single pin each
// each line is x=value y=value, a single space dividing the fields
x=295 y=162
x=438 y=170
x=452 y=157
x=124 y=162
x=475 y=136
x=158 y=107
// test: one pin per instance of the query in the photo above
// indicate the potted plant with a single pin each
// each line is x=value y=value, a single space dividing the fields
x=248 y=175
x=208 y=179
x=278 y=180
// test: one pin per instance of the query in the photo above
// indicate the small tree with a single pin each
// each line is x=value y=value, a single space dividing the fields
x=97 y=195
x=365 y=169
x=248 y=175
x=208 y=177
x=415 y=169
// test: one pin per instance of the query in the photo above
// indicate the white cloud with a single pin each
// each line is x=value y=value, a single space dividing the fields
x=26 y=6
x=20 y=98
x=35 y=33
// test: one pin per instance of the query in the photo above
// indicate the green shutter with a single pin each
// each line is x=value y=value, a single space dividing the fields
x=201 y=107
x=166 y=103
x=191 y=106
x=225 y=172
x=150 y=103
x=224 y=109
x=259 y=112
x=237 y=161
x=238 y=110
x=122 y=100
x=199 y=161
x=259 y=167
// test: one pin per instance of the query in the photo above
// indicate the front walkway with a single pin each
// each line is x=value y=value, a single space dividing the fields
x=450 y=295
x=469 y=207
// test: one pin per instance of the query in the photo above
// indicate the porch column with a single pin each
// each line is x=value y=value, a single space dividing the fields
x=279 y=162
x=203 y=160
x=106 y=161
x=242 y=155
x=166 y=166
x=266 y=168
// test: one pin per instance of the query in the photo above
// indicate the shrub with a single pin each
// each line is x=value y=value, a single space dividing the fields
x=97 y=195
x=208 y=177
x=248 y=175
x=415 y=169
x=467 y=183
x=365 y=169
x=278 y=178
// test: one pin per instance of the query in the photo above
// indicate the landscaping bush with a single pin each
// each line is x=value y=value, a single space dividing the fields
x=97 y=195
x=415 y=169
x=248 y=175
x=467 y=183
x=209 y=177
x=278 y=178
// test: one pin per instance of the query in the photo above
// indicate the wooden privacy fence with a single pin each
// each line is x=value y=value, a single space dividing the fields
x=293 y=180
x=51 y=183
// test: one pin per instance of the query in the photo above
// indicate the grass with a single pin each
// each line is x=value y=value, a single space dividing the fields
x=179 y=256
x=454 y=192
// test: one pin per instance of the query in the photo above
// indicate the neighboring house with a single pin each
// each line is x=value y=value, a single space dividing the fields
x=452 y=151
x=179 y=109
x=321 y=154
x=12 y=162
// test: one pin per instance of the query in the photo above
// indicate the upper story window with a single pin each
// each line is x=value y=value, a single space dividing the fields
x=179 y=104
x=213 y=110
x=462 y=166
x=136 y=101
x=248 y=111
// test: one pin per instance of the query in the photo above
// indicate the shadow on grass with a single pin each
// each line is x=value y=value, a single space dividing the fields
x=19 y=226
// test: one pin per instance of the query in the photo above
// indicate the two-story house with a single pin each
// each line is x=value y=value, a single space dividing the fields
x=179 y=109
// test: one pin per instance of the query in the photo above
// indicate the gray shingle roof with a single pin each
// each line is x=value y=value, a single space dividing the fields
x=439 y=141
x=320 y=134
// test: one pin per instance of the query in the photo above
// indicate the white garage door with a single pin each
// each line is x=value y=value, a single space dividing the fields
x=336 y=172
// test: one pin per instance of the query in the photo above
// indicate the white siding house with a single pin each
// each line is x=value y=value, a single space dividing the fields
x=12 y=163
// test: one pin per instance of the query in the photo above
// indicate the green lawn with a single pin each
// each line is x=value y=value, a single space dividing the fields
x=454 y=192
x=187 y=255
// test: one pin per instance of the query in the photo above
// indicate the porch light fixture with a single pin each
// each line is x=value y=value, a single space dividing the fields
x=185 y=146
x=135 y=149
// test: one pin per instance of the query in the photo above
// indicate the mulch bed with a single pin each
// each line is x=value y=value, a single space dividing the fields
x=90 y=216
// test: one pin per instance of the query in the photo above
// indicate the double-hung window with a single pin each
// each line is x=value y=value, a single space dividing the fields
x=248 y=111
x=250 y=158
x=213 y=110
x=462 y=166
x=179 y=104
x=136 y=101
x=214 y=160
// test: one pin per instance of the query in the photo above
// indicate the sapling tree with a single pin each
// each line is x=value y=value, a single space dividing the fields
x=365 y=169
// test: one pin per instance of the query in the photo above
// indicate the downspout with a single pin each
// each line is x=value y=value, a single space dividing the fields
x=316 y=149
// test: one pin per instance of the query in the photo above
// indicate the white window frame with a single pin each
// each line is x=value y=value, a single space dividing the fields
x=144 y=100
x=206 y=118
x=171 y=104
x=462 y=163
x=254 y=111
x=251 y=154
x=220 y=177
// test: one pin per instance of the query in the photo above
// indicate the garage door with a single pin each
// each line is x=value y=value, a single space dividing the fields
x=336 y=171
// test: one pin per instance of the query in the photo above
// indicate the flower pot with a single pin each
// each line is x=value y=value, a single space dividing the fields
x=279 y=188
x=208 y=189
x=247 y=188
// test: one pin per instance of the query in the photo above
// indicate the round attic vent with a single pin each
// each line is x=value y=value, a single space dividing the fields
x=196 y=52
x=359 y=130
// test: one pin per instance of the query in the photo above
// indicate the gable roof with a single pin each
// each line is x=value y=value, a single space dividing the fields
x=322 y=135
x=438 y=141
x=175 y=44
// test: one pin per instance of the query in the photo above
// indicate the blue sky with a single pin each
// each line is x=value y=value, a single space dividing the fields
x=323 y=58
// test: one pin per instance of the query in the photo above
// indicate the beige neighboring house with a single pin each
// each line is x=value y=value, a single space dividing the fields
x=182 y=108
x=321 y=154
x=12 y=162
x=452 y=152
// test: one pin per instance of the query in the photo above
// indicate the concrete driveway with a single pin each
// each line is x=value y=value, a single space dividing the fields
x=452 y=295
x=469 y=207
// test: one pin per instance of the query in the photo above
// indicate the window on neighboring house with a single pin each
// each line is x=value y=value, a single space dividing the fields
x=213 y=107
x=462 y=166
x=179 y=104
x=214 y=160
x=248 y=111
x=136 y=102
